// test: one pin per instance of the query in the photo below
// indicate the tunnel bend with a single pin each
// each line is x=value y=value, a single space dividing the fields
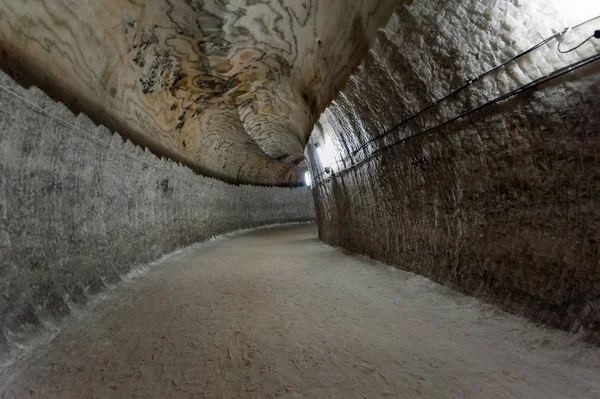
x=456 y=148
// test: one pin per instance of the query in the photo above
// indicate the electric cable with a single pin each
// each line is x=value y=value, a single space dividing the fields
x=469 y=83
x=551 y=76
x=595 y=35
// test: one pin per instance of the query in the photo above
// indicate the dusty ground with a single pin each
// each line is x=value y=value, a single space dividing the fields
x=276 y=313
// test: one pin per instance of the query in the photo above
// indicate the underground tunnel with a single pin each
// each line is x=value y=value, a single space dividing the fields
x=299 y=199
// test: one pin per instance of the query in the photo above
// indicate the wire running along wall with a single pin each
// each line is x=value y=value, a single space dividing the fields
x=350 y=158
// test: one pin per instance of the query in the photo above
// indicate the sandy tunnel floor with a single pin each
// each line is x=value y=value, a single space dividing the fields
x=275 y=313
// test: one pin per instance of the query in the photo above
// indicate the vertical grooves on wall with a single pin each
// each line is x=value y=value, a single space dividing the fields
x=502 y=204
x=79 y=206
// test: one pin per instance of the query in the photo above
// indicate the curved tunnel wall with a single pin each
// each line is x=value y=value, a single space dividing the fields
x=79 y=207
x=501 y=204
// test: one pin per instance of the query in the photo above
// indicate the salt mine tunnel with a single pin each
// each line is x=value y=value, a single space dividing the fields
x=299 y=199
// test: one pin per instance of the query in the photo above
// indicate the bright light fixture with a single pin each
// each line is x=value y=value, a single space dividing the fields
x=307 y=178
x=325 y=155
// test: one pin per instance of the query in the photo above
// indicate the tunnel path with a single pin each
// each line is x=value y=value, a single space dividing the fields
x=276 y=313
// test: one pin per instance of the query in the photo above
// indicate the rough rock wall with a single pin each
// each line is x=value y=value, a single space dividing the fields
x=79 y=207
x=502 y=204
x=228 y=87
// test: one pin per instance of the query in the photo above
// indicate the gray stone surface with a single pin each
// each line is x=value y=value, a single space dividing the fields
x=502 y=204
x=79 y=207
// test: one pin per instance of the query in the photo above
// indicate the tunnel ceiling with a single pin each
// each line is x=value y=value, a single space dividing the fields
x=231 y=88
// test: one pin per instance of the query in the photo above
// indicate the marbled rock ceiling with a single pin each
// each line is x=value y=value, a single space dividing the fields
x=231 y=88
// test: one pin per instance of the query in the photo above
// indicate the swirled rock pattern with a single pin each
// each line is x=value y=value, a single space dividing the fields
x=231 y=88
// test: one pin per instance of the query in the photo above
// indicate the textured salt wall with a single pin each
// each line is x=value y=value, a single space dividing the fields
x=79 y=207
x=502 y=204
